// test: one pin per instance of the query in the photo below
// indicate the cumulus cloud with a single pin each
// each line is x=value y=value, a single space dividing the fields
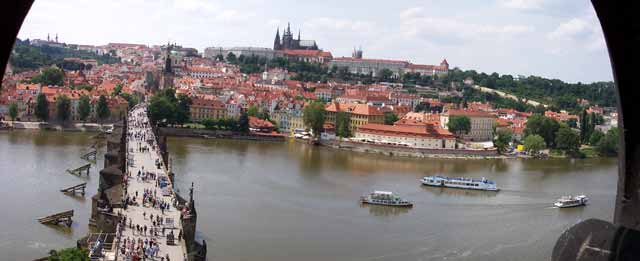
x=415 y=24
x=584 y=32
x=575 y=27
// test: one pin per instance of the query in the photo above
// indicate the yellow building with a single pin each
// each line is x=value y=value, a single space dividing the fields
x=359 y=114
x=207 y=109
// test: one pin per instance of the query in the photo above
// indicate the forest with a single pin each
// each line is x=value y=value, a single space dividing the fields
x=28 y=57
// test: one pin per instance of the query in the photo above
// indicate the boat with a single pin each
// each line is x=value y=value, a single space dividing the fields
x=385 y=198
x=571 y=201
x=461 y=183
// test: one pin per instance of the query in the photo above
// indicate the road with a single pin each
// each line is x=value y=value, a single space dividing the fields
x=506 y=95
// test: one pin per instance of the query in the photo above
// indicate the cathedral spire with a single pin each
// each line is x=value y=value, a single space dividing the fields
x=288 y=28
x=276 y=43
x=298 y=34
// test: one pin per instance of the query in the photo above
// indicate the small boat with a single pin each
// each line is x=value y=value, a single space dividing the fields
x=462 y=183
x=571 y=201
x=385 y=198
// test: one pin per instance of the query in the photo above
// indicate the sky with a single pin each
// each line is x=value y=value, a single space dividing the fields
x=559 y=39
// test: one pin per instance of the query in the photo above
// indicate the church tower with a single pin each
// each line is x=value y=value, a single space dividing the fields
x=276 y=43
x=166 y=79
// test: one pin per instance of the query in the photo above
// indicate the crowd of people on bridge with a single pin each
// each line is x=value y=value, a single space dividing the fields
x=143 y=243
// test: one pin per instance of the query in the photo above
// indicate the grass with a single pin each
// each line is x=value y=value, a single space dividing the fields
x=590 y=152
x=194 y=126
x=556 y=153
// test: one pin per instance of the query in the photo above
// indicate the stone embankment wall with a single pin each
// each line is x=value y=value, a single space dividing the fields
x=219 y=134
x=89 y=127
x=410 y=152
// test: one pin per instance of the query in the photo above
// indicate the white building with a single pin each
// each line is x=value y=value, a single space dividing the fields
x=212 y=52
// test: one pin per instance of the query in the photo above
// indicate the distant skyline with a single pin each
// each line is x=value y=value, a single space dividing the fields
x=551 y=38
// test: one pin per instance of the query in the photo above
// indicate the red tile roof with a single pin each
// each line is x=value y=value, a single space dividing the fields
x=355 y=108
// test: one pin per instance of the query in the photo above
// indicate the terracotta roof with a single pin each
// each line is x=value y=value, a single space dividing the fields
x=355 y=108
x=257 y=123
x=470 y=113
x=307 y=53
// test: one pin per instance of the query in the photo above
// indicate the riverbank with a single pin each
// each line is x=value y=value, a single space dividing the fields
x=343 y=145
x=78 y=127
x=390 y=150
x=219 y=134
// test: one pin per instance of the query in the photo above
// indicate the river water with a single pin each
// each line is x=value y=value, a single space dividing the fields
x=291 y=201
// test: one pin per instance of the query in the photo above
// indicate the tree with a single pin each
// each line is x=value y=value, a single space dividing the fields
x=50 y=76
x=161 y=110
x=183 y=111
x=243 y=123
x=390 y=118
x=584 y=123
x=572 y=123
x=567 y=140
x=609 y=144
x=342 y=125
x=84 y=108
x=385 y=75
x=219 y=58
x=252 y=111
x=597 y=119
x=131 y=99
x=543 y=126
x=231 y=58
x=42 y=107
x=63 y=108
x=595 y=138
x=13 y=111
x=502 y=140
x=102 y=108
x=264 y=114
x=117 y=90
x=459 y=124
x=209 y=124
x=69 y=254
x=534 y=143
x=313 y=117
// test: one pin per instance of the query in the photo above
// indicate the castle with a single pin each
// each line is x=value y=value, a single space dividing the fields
x=287 y=42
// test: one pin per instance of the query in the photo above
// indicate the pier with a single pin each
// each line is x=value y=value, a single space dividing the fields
x=75 y=189
x=79 y=170
x=91 y=155
x=62 y=217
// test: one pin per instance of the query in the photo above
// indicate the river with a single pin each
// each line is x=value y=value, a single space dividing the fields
x=292 y=201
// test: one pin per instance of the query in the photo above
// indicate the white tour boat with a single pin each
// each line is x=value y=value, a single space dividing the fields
x=462 y=183
x=571 y=201
x=385 y=198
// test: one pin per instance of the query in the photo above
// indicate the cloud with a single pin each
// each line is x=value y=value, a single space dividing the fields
x=411 y=12
x=573 y=28
x=194 y=5
x=231 y=15
x=522 y=4
x=583 y=32
x=451 y=31
x=338 y=24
